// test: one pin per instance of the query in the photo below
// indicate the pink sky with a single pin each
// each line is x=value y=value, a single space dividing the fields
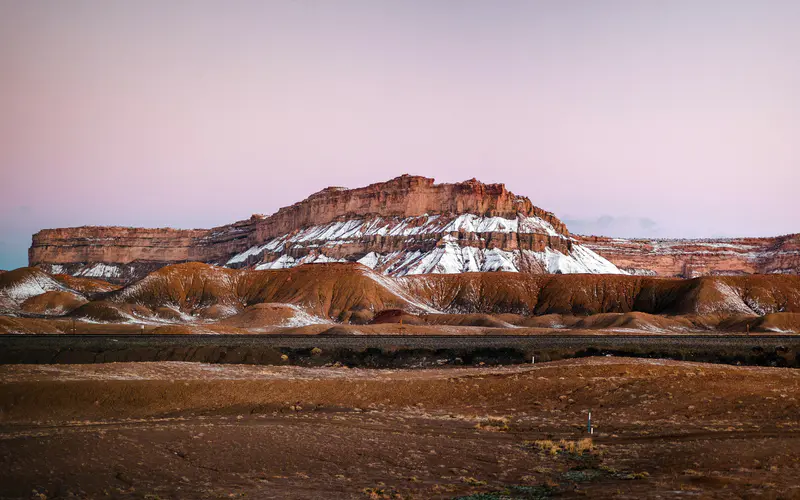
x=629 y=118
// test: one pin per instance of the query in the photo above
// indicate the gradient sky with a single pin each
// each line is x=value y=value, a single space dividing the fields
x=625 y=118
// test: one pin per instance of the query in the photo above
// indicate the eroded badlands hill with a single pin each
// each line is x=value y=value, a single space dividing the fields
x=348 y=293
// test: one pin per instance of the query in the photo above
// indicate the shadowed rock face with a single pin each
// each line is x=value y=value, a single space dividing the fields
x=408 y=225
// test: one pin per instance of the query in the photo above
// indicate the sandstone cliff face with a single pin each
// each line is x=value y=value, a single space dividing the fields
x=403 y=197
x=691 y=258
x=77 y=250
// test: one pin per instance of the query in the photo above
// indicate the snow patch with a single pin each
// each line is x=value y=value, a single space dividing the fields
x=100 y=270
x=302 y=318
x=31 y=286
x=391 y=285
x=370 y=260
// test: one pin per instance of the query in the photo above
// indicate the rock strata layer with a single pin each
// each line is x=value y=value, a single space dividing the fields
x=706 y=257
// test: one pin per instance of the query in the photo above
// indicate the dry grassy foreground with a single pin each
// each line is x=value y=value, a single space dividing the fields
x=186 y=430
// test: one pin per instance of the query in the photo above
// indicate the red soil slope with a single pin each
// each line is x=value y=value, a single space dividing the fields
x=353 y=293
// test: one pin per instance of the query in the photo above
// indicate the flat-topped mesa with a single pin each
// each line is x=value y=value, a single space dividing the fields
x=416 y=213
x=129 y=244
x=404 y=196
x=408 y=225
x=121 y=254
x=112 y=244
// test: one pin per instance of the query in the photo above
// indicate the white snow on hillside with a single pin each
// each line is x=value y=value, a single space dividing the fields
x=370 y=260
x=303 y=318
x=453 y=259
x=581 y=260
x=453 y=254
x=335 y=233
x=287 y=261
x=36 y=283
x=392 y=286
x=100 y=270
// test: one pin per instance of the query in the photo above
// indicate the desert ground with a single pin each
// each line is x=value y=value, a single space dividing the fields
x=662 y=429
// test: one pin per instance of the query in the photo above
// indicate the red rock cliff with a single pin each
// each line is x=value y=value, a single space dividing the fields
x=690 y=258
x=404 y=196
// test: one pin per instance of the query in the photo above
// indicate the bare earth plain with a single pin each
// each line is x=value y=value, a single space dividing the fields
x=663 y=429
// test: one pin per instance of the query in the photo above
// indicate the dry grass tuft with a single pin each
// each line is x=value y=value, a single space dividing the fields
x=565 y=446
x=494 y=424
x=472 y=481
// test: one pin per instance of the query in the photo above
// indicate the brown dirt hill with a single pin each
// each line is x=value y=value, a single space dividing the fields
x=343 y=292
x=488 y=293
x=353 y=293
x=190 y=287
x=11 y=325
x=21 y=284
x=756 y=294
x=109 y=312
x=484 y=320
x=340 y=291
x=86 y=286
x=517 y=293
x=635 y=321
x=777 y=322
x=53 y=303
x=397 y=316
x=262 y=315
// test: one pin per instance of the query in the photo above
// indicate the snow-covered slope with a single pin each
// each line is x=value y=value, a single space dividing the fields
x=431 y=244
x=21 y=284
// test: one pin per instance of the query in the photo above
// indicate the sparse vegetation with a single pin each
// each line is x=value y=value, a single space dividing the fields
x=496 y=424
x=472 y=481
x=381 y=493
x=579 y=447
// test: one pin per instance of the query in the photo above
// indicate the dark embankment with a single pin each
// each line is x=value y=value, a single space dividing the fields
x=394 y=351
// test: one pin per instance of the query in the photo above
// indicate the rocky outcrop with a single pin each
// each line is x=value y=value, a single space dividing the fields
x=706 y=257
x=403 y=197
x=124 y=245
